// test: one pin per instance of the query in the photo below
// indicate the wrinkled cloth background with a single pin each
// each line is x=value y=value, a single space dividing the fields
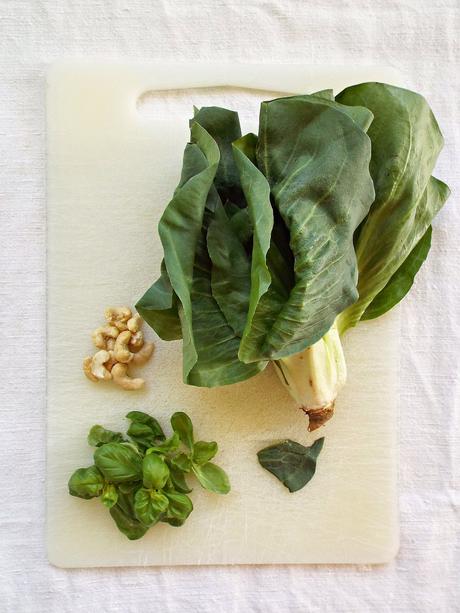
x=416 y=36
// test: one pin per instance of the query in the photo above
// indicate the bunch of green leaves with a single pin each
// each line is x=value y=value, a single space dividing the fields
x=142 y=478
x=323 y=216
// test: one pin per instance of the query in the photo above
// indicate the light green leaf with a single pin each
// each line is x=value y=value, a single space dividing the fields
x=86 y=483
x=109 y=495
x=406 y=141
x=401 y=281
x=99 y=436
x=212 y=478
x=180 y=506
x=149 y=506
x=155 y=472
x=182 y=424
x=182 y=462
x=203 y=452
x=118 y=462
x=170 y=444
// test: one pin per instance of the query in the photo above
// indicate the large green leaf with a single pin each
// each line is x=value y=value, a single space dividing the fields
x=158 y=307
x=224 y=127
x=401 y=281
x=315 y=159
x=406 y=141
x=230 y=272
x=119 y=462
x=86 y=483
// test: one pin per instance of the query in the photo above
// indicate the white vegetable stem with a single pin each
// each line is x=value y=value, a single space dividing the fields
x=314 y=377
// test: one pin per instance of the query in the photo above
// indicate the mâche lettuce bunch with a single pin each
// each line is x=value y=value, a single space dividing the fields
x=276 y=243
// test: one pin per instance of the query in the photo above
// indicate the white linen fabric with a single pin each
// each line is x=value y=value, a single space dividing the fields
x=418 y=37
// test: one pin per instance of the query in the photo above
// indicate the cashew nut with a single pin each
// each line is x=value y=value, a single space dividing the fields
x=87 y=363
x=110 y=344
x=121 y=351
x=111 y=363
x=121 y=378
x=143 y=354
x=118 y=316
x=134 y=324
x=98 y=368
x=136 y=342
x=101 y=334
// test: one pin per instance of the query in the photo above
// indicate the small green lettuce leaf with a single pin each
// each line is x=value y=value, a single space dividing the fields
x=155 y=471
x=99 y=436
x=212 y=478
x=109 y=495
x=86 y=483
x=203 y=452
x=182 y=424
x=118 y=462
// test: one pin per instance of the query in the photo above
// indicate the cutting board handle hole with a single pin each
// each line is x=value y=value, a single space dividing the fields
x=163 y=104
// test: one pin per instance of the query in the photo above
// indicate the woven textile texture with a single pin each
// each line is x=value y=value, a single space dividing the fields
x=418 y=37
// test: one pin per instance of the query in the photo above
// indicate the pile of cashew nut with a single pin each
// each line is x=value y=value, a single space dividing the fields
x=120 y=343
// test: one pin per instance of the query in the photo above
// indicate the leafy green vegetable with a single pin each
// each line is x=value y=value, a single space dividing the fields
x=203 y=452
x=142 y=485
x=276 y=243
x=109 y=495
x=406 y=141
x=182 y=424
x=149 y=506
x=401 y=281
x=212 y=478
x=86 y=483
x=118 y=462
x=99 y=436
x=155 y=471
x=292 y=463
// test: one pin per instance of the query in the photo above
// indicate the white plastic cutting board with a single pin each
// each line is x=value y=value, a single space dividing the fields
x=110 y=173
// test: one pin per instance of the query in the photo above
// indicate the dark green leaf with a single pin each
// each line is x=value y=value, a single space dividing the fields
x=99 y=436
x=149 y=506
x=177 y=479
x=406 y=141
x=230 y=274
x=128 y=525
x=182 y=424
x=182 y=462
x=118 y=462
x=203 y=452
x=224 y=127
x=158 y=307
x=155 y=471
x=292 y=463
x=128 y=486
x=144 y=418
x=170 y=444
x=86 y=483
x=401 y=281
x=212 y=478
x=109 y=495
x=315 y=158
